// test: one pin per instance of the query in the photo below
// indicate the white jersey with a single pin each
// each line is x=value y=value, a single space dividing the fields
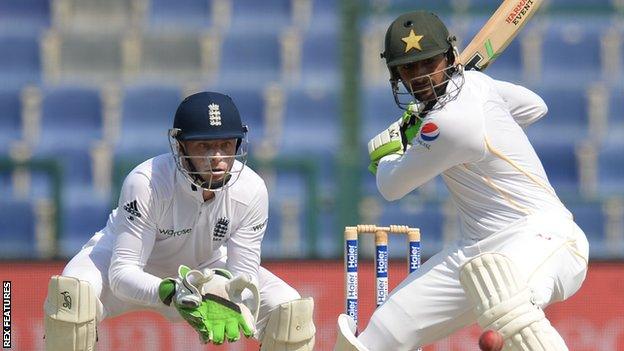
x=162 y=222
x=476 y=142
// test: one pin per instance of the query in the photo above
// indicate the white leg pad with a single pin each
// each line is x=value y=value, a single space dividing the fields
x=504 y=303
x=346 y=339
x=70 y=311
x=290 y=327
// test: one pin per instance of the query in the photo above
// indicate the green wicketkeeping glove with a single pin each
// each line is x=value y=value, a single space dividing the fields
x=226 y=313
x=184 y=292
x=211 y=303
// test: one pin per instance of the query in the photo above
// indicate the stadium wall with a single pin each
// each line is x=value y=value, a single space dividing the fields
x=593 y=319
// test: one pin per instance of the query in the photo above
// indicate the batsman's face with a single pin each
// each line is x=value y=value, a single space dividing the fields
x=212 y=158
x=422 y=77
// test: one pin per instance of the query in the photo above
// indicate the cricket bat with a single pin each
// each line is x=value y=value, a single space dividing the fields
x=497 y=33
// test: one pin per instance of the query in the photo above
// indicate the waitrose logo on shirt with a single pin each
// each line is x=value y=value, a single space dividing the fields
x=171 y=232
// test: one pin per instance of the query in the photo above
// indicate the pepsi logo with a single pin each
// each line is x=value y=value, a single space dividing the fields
x=429 y=132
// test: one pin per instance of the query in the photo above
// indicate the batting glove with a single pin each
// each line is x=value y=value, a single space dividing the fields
x=395 y=139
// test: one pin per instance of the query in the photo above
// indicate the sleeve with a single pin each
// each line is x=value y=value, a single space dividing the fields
x=444 y=141
x=135 y=231
x=244 y=245
x=525 y=106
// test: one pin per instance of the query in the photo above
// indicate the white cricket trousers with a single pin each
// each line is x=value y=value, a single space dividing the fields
x=92 y=265
x=551 y=252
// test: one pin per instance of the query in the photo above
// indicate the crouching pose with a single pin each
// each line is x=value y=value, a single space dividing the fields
x=184 y=241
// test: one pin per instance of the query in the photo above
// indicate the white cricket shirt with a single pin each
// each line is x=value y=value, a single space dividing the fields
x=162 y=222
x=476 y=142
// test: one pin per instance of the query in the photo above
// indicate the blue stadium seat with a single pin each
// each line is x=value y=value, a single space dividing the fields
x=611 y=168
x=19 y=62
x=71 y=118
x=327 y=245
x=266 y=17
x=10 y=118
x=616 y=113
x=311 y=121
x=71 y=121
x=320 y=59
x=147 y=115
x=555 y=5
x=250 y=104
x=181 y=13
x=289 y=190
x=325 y=14
x=76 y=175
x=6 y=189
x=250 y=59
x=571 y=52
x=560 y=163
x=378 y=110
x=567 y=115
x=17 y=229
x=580 y=5
x=590 y=217
x=81 y=219
x=24 y=16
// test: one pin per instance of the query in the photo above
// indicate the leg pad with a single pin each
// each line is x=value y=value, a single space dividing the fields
x=70 y=311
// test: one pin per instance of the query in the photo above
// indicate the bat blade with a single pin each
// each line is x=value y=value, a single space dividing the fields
x=497 y=33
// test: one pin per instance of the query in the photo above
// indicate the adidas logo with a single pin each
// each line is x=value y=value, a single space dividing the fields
x=131 y=208
x=220 y=229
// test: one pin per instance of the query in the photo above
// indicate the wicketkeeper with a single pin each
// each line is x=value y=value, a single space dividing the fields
x=185 y=242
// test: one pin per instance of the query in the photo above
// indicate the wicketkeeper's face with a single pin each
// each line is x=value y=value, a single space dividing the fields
x=422 y=78
x=212 y=159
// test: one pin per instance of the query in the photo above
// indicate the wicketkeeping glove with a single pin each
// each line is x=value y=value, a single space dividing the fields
x=395 y=139
x=204 y=300
x=226 y=312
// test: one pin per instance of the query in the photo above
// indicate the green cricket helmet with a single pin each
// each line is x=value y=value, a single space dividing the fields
x=413 y=37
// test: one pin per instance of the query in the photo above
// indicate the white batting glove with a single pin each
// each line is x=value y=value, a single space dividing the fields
x=385 y=143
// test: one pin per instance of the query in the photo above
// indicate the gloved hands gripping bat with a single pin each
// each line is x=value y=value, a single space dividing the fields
x=396 y=138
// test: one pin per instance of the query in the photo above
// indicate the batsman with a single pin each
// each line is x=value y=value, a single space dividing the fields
x=518 y=250
x=185 y=242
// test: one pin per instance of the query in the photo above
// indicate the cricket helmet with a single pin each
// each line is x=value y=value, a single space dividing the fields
x=417 y=36
x=208 y=116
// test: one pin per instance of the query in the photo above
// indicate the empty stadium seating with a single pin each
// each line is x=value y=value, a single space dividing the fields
x=566 y=120
x=281 y=61
x=10 y=122
x=81 y=219
x=183 y=13
x=311 y=121
x=146 y=116
x=17 y=229
x=71 y=118
x=250 y=59
x=24 y=16
x=611 y=168
x=572 y=47
x=19 y=62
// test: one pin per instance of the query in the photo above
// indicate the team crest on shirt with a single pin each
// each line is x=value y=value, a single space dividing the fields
x=220 y=229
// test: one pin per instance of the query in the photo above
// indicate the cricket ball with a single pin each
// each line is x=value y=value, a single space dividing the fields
x=491 y=340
